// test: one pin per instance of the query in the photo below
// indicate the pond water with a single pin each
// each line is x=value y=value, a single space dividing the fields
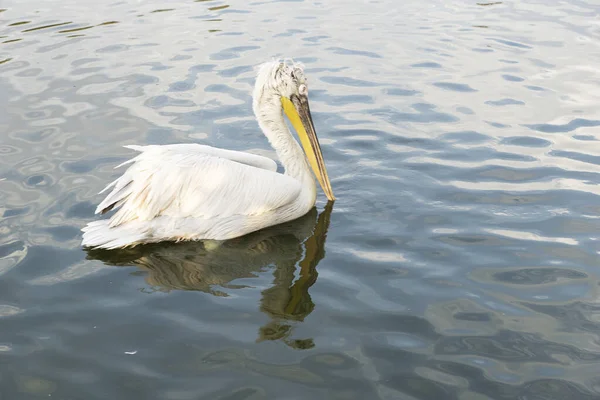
x=460 y=260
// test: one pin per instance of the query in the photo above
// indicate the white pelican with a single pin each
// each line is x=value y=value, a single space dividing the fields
x=194 y=192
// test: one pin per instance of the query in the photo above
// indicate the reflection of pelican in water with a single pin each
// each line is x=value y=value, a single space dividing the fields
x=191 y=266
x=190 y=192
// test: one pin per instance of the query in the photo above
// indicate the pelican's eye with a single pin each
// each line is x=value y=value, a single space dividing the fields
x=303 y=90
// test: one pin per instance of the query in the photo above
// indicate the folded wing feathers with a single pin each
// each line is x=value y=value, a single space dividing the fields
x=182 y=181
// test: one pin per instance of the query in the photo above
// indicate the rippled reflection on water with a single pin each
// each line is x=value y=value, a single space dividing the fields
x=461 y=256
x=197 y=266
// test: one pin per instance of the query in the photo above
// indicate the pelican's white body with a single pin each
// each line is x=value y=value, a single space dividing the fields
x=192 y=192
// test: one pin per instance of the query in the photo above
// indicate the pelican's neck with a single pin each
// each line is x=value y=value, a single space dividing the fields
x=269 y=114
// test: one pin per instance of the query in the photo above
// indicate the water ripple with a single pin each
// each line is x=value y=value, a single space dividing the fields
x=568 y=127
x=460 y=258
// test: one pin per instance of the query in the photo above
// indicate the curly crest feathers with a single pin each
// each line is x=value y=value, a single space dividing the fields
x=278 y=78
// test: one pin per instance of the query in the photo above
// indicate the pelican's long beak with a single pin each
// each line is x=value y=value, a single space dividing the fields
x=298 y=112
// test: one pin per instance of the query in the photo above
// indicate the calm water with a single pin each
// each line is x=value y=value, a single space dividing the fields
x=459 y=262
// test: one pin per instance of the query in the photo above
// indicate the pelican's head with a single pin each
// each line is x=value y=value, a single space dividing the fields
x=287 y=85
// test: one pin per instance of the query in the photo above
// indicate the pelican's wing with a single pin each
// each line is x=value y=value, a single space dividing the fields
x=181 y=183
x=196 y=149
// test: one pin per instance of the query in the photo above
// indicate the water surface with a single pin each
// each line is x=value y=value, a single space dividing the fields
x=460 y=260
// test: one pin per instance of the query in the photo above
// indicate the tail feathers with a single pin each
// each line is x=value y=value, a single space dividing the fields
x=98 y=234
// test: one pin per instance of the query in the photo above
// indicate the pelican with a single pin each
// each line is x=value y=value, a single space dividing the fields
x=196 y=192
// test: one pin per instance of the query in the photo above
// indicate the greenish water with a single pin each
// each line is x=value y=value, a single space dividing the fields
x=460 y=260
